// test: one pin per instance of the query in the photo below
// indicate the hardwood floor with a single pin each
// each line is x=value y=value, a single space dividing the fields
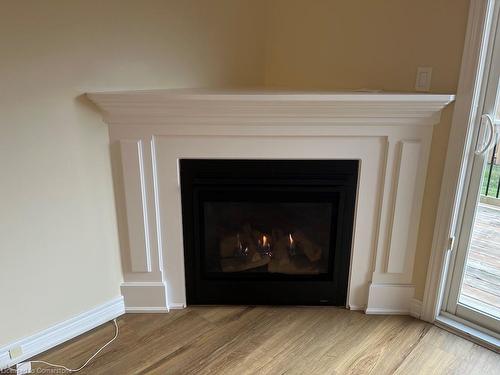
x=274 y=340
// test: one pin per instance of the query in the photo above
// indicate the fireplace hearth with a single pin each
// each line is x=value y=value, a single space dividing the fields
x=267 y=231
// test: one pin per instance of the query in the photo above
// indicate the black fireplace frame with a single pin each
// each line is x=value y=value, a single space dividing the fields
x=332 y=181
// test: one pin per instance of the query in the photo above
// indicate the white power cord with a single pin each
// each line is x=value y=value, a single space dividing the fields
x=88 y=360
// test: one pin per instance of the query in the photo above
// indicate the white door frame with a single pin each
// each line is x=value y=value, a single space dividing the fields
x=484 y=138
x=469 y=94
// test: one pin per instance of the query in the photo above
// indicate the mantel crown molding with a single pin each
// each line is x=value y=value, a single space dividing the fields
x=176 y=106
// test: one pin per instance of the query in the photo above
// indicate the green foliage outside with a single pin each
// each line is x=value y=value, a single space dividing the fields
x=494 y=181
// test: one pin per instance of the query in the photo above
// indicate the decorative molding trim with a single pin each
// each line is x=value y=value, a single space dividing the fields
x=156 y=198
x=176 y=306
x=357 y=308
x=404 y=218
x=146 y=310
x=465 y=112
x=143 y=284
x=415 y=308
x=390 y=298
x=370 y=150
x=62 y=332
x=224 y=106
x=142 y=296
x=136 y=205
x=384 y=311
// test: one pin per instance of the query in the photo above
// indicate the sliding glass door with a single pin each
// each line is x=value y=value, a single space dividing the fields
x=473 y=292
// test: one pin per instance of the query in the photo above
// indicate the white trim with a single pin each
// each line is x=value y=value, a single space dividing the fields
x=415 y=308
x=156 y=196
x=62 y=332
x=467 y=330
x=384 y=311
x=142 y=296
x=176 y=306
x=143 y=284
x=131 y=151
x=473 y=61
x=149 y=97
x=390 y=298
x=357 y=308
x=264 y=107
x=146 y=310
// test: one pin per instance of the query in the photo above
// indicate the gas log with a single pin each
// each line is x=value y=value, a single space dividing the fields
x=281 y=252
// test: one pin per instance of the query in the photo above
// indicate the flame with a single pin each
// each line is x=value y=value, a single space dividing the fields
x=240 y=245
x=290 y=238
x=264 y=240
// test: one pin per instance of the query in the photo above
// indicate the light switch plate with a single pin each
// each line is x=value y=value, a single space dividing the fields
x=423 y=80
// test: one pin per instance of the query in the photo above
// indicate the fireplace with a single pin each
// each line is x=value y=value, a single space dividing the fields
x=267 y=231
x=168 y=249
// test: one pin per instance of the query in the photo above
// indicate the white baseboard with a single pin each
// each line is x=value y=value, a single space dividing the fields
x=416 y=308
x=64 y=331
x=390 y=299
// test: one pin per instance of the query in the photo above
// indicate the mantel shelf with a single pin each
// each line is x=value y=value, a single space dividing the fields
x=220 y=106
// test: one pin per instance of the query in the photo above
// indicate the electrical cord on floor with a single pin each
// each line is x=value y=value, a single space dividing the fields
x=88 y=360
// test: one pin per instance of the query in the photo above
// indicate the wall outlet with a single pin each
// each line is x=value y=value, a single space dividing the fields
x=15 y=352
x=423 y=80
x=23 y=368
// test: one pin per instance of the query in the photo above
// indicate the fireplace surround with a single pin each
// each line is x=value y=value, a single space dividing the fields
x=151 y=132
x=267 y=231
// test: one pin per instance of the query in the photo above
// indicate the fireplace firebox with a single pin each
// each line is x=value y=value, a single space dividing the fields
x=267 y=231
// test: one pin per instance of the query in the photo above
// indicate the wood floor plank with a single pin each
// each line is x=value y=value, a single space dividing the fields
x=274 y=340
x=216 y=345
x=440 y=352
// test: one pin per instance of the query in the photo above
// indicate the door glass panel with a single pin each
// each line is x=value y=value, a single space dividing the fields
x=481 y=283
x=480 y=289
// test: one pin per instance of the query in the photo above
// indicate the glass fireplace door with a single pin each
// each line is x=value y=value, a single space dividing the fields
x=270 y=235
x=267 y=231
x=291 y=238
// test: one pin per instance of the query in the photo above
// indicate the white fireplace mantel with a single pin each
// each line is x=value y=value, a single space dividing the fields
x=388 y=133
x=225 y=106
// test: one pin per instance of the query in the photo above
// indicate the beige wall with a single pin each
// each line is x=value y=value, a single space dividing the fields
x=339 y=44
x=58 y=236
